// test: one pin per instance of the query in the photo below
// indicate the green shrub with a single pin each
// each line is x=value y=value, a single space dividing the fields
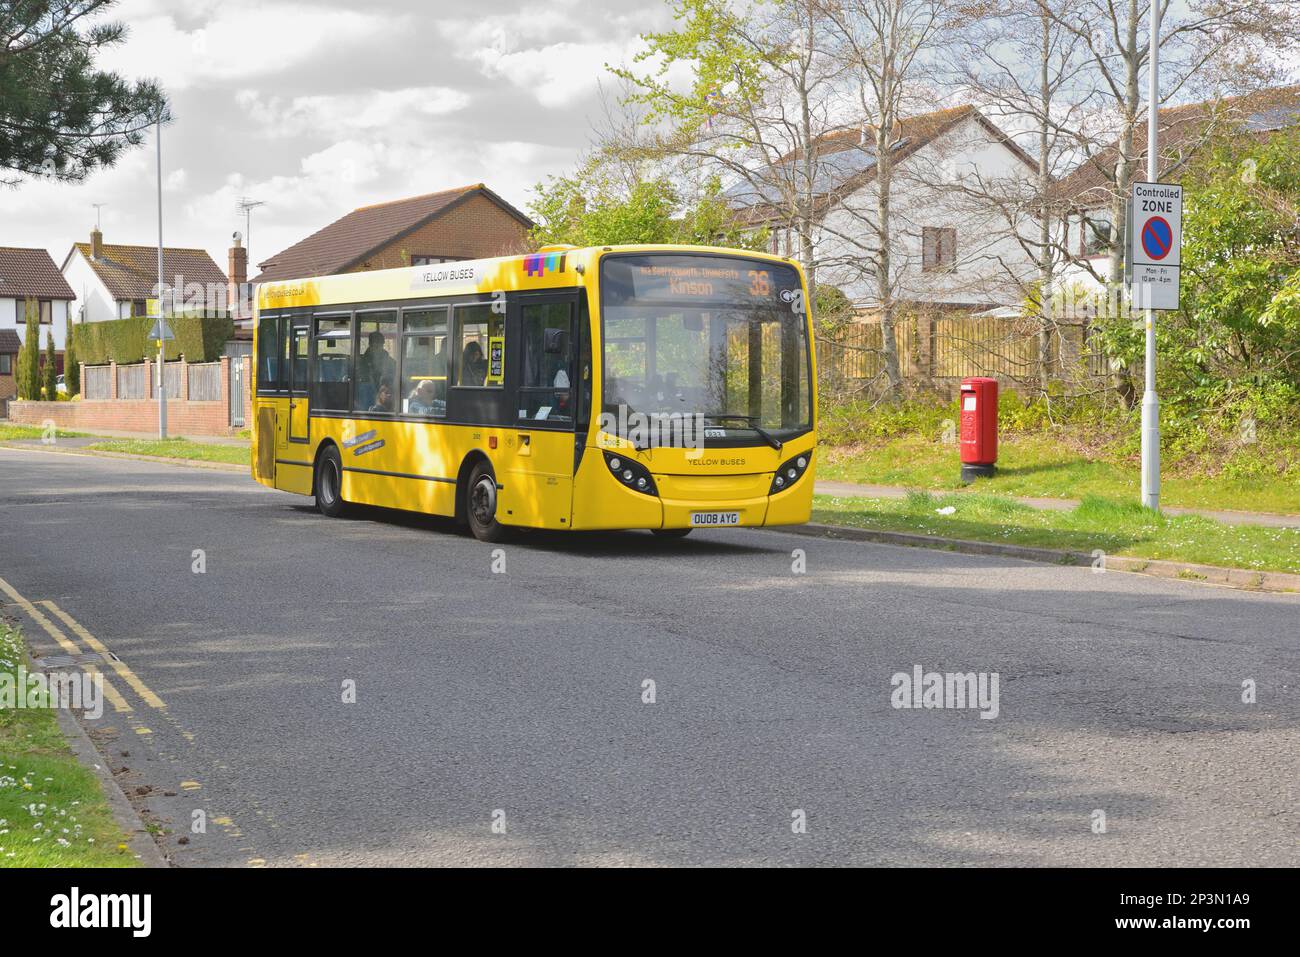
x=49 y=372
x=71 y=365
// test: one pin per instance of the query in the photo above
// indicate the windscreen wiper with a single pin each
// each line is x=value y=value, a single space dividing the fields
x=751 y=421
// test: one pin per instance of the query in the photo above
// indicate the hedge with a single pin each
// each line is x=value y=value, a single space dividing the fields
x=198 y=338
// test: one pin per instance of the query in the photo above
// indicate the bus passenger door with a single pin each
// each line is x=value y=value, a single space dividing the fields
x=295 y=471
x=541 y=467
x=299 y=423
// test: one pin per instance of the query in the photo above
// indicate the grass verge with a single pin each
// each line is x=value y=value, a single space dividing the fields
x=1039 y=465
x=9 y=432
x=52 y=810
x=1117 y=528
x=177 y=449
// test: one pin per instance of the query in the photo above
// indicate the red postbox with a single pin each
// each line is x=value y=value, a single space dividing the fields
x=979 y=427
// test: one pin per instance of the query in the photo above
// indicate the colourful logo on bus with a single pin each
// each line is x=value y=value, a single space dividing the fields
x=540 y=263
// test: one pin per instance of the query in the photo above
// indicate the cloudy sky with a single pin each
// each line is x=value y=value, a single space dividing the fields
x=318 y=107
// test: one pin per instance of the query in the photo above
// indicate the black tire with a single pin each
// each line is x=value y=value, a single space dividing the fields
x=481 y=505
x=671 y=532
x=329 y=483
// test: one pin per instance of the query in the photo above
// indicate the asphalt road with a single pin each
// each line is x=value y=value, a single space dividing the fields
x=518 y=696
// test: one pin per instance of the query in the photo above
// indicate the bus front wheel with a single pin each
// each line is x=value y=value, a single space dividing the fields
x=481 y=505
x=329 y=483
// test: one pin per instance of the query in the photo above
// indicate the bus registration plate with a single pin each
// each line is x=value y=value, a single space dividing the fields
x=715 y=518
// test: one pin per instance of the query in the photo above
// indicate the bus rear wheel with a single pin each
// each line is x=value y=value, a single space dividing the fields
x=329 y=483
x=481 y=505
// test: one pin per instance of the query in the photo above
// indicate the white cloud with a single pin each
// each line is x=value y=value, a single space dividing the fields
x=373 y=110
x=557 y=74
x=240 y=41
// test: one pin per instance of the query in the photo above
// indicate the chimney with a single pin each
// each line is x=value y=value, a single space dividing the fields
x=237 y=274
x=96 y=244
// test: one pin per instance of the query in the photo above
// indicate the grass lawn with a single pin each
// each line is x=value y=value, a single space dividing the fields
x=8 y=432
x=1117 y=528
x=52 y=811
x=1041 y=465
x=177 y=449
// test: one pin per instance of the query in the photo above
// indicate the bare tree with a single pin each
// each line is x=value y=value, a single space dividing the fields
x=1208 y=48
x=886 y=47
x=761 y=98
x=1028 y=74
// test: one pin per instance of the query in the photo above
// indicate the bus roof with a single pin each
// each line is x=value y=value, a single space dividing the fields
x=554 y=267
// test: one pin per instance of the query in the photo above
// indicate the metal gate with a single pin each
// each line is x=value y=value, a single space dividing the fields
x=237 y=388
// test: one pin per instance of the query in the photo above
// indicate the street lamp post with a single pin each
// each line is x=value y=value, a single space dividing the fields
x=162 y=339
x=1150 y=401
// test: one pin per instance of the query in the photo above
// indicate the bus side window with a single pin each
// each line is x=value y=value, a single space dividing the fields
x=424 y=362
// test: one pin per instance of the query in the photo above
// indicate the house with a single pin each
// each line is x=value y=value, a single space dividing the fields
x=116 y=282
x=31 y=274
x=948 y=251
x=471 y=222
x=1085 y=194
x=9 y=346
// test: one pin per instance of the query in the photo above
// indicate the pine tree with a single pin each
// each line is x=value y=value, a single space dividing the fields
x=61 y=116
x=49 y=374
x=71 y=366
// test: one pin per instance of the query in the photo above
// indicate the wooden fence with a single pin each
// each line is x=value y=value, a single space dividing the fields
x=99 y=382
x=952 y=346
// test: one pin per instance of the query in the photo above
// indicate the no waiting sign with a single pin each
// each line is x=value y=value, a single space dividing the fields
x=1155 y=245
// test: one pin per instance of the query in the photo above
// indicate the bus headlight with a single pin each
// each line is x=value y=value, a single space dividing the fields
x=790 y=472
x=632 y=474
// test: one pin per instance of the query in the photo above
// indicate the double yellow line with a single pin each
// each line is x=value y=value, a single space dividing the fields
x=120 y=704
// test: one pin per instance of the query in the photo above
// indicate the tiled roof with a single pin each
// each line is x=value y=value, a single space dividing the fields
x=131 y=272
x=846 y=159
x=361 y=232
x=9 y=342
x=1183 y=130
x=31 y=273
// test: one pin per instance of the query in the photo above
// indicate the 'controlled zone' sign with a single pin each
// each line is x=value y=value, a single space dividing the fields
x=1155 y=245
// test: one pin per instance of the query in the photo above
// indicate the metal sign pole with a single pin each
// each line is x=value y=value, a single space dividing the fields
x=1150 y=401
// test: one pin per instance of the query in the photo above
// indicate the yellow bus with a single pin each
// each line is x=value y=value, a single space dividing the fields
x=626 y=387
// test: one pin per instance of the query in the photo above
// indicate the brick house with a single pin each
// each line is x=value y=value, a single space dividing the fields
x=471 y=222
x=9 y=346
x=31 y=274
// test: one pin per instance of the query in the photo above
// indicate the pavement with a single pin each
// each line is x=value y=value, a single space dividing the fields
x=385 y=690
x=1226 y=516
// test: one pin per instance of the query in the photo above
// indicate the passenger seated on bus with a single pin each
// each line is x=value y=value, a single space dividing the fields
x=384 y=396
x=422 y=398
x=473 y=367
x=373 y=365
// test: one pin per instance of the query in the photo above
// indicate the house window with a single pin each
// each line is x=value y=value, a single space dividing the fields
x=139 y=307
x=6 y=364
x=433 y=260
x=47 y=312
x=938 y=248
x=1095 y=236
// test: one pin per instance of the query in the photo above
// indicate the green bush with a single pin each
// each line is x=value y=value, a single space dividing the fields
x=71 y=365
x=28 y=377
x=199 y=339
x=49 y=371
